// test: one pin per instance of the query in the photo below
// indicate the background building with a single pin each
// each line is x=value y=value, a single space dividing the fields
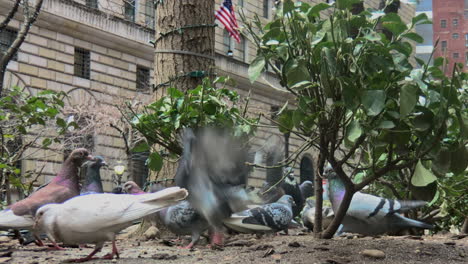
x=424 y=50
x=450 y=24
x=99 y=52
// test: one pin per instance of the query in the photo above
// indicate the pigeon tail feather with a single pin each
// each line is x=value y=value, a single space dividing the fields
x=168 y=194
x=408 y=222
x=8 y=220
x=408 y=205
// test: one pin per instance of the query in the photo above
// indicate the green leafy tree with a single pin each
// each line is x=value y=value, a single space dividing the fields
x=359 y=100
x=23 y=122
x=209 y=104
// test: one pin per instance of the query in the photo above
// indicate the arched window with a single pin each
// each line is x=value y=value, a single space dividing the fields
x=307 y=170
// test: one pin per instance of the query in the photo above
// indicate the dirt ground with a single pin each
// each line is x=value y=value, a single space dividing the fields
x=297 y=247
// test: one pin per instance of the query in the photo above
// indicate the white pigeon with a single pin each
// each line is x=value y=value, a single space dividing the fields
x=96 y=218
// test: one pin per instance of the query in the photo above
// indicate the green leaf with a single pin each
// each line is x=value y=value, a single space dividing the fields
x=373 y=101
x=422 y=17
x=316 y=9
x=386 y=124
x=297 y=73
x=46 y=142
x=353 y=131
x=141 y=147
x=286 y=121
x=372 y=36
x=155 y=161
x=408 y=99
x=422 y=176
x=346 y=4
x=61 y=123
x=256 y=68
x=459 y=160
x=414 y=36
x=174 y=92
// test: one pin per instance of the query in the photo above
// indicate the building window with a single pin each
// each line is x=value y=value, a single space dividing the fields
x=129 y=10
x=7 y=36
x=150 y=13
x=456 y=55
x=92 y=3
x=466 y=40
x=82 y=61
x=228 y=43
x=266 y=8
x=443 y=23
x=244 y=49
x=306 y=170
x=455 y=22
x=143 y=78
x=444 y=45
x=466 y=58
x=455 y=35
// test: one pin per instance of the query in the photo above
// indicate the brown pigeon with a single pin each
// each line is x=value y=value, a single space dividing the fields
x=131 y=187
x=62 y=187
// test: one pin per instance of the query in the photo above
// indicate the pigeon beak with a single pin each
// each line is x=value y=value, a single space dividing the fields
x=86 y=163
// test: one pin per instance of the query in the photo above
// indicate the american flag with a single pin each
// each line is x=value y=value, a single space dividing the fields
x=226 y=15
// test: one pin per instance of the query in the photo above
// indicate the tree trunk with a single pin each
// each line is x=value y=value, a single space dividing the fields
x=184 y=43
x=318 y=197
x=464 y=229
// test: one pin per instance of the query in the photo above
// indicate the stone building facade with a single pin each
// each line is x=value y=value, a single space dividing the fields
x=99 y=52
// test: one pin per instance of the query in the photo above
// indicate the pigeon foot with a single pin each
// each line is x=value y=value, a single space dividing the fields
x=55 y=246
x=189 y=246
x=114 y=252
x=89 y=257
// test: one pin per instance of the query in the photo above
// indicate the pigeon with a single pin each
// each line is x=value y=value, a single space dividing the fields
x=368 y=214
x=307 y=189
x=212 y=167
x=290 y=187
x=131 y=187
x=269 y=217
x=93 y=183
x=183 y=219
x=61 y=188
x=96 y=218
x=308 y=215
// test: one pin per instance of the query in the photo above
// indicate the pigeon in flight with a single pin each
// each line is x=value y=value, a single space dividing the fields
x=97 y=218
x=369 y=214
x=212 y=168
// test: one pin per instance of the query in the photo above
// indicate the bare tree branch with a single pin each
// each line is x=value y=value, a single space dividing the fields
x=10 y=15
x=29 y=20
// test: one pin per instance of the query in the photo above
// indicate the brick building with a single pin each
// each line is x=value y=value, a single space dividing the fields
x=450 y=25
x=99 y=51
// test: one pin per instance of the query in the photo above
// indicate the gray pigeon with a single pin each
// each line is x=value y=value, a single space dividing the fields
x=369 y=214
x=307 y=189
x=93 y=182
x=308 y=215
x=212 y=168
x=183 y=219
x=266 y=218
x=98 y=217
